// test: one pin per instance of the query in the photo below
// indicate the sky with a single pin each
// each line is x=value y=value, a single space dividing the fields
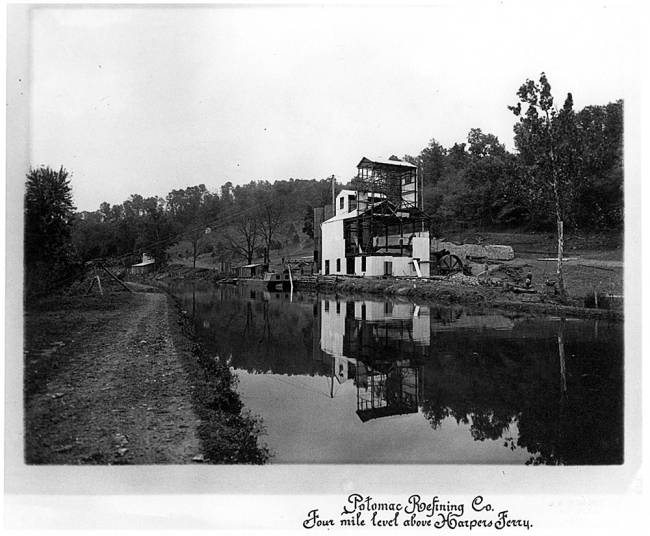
x=148 y=99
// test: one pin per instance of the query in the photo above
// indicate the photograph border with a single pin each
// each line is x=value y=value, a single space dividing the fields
x=27 y=485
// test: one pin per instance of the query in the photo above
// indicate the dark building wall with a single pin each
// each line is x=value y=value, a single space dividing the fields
x=320 y=215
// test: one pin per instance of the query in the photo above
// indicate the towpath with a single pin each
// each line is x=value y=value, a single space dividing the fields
x=104 y=384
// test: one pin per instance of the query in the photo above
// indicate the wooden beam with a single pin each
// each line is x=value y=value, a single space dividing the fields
x=115 y=277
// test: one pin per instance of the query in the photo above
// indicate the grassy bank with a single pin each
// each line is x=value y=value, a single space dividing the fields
x=460 y=291
x=228 y=432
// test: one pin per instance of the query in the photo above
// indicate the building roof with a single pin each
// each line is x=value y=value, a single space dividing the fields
x=145 y=263
x=368 y=162
x=250 y=265
x=343 y=216
x=346 y=192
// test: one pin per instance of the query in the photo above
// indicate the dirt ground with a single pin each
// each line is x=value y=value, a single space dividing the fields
x=110 y=388
x=112 y=380
x=595 y=261
x=582 y=276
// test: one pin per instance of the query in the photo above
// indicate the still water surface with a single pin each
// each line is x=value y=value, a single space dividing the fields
x=351 y=380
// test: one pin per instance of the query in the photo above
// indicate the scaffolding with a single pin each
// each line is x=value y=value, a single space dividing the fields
x=389 y=180
x=389 y=214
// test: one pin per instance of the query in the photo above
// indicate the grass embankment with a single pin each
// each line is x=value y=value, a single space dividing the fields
x=472 y=296
x=114 y=379
x=229 y=433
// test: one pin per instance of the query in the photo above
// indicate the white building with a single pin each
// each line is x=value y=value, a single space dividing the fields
x=377 y=229
x=147 y=265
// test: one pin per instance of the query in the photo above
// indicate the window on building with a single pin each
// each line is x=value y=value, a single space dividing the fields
x=315 y=255
x=408 y=179
x=327 y=306
x=341 y=203
x=327 y=267
x=338 y=265
x=338 y=308
x=363 y=264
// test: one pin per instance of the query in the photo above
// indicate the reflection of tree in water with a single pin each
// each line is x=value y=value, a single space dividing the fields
x=261 y=332
x=563 y=393
x=434 y=411
x=489 y=425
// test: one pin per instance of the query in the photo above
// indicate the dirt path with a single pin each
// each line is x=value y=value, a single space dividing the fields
x=111 y=390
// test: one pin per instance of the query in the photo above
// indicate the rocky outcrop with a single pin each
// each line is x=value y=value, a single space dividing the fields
x=475 y=251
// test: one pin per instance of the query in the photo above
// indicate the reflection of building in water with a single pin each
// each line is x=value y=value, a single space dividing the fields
x=360 y=328
x=380 y=347
x=384 y=391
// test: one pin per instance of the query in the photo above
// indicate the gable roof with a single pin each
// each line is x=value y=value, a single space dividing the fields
x=368 y=162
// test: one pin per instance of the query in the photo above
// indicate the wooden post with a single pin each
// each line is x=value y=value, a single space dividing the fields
x=112 y=275
x=99 y=283
x=92 y=284
x=421 y=189
x=560 y=345
x=290 y=282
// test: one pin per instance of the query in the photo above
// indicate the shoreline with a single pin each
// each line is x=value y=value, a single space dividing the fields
x=432 y=292
x=229 y=433
x=449 y=293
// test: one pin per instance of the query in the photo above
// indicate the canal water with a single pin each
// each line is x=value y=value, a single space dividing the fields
x=355 y=380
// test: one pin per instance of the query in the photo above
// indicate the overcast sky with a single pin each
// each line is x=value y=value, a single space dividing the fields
x=144 y=100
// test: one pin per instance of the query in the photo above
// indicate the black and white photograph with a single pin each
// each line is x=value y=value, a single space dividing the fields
x=377 y=266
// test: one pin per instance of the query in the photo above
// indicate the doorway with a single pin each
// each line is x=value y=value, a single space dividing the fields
x=349 y=265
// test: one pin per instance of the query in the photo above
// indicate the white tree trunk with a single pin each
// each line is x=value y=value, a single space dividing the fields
x=560 y=258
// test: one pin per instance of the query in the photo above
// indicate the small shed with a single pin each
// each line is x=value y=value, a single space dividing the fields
x=147 y=265
x=251 y=270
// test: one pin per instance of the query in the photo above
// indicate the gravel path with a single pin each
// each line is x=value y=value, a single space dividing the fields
x=118 y=393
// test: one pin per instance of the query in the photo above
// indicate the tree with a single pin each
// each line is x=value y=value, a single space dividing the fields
x=271 y=217
x=599 y=196
x=308 y=221
x=431 y=161
x=192 y=209
x=49 y=213
x=154 y=229
x=489 y=172
x=547 y=142
x=243 y=233
x=242 y=237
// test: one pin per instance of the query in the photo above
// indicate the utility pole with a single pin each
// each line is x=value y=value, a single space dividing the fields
x=333 y=177
x=421 y=177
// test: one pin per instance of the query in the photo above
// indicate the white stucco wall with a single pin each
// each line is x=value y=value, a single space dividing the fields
x=402 y=266
x=346 y=195
x=422 y=327
x=333 y=248
x=333 y=245
x=332 y=328
x=422 y=247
